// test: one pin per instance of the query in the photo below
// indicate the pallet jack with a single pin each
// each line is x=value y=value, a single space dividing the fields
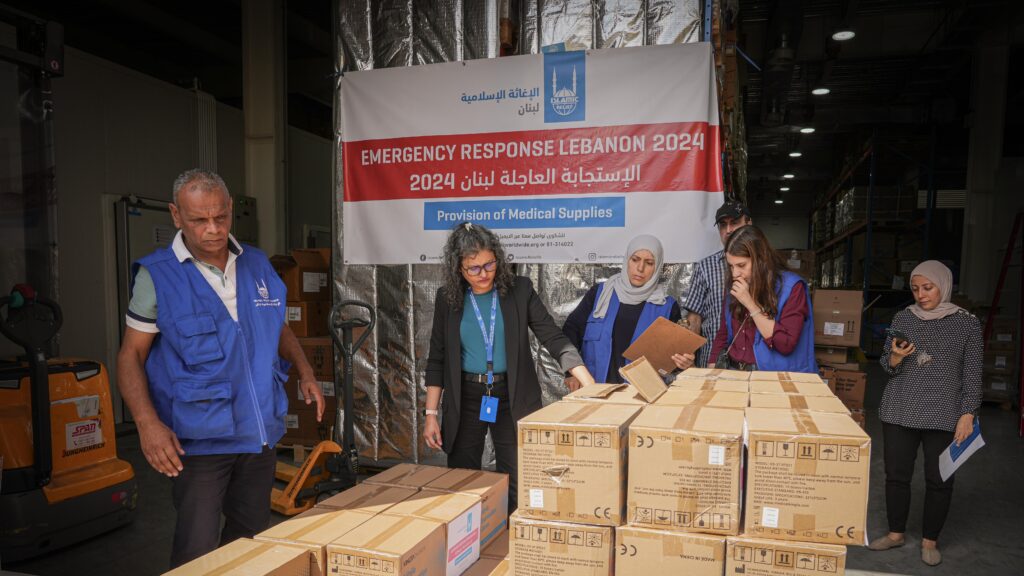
x=333 y=465
x=62 y=481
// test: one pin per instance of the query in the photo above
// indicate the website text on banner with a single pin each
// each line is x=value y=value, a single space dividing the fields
x=565 y=155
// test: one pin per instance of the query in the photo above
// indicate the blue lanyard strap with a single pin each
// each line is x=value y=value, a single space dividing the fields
x=488 y=339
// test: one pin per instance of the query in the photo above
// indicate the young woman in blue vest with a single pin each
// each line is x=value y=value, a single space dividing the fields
x=614 y=314
x=767 y=322
x=480 y=360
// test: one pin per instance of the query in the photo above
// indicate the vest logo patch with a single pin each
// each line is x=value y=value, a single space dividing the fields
x=264 y=292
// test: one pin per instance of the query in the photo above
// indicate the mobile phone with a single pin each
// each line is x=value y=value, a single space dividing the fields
x=897 y=334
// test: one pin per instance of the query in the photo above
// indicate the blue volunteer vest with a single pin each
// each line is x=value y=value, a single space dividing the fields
x=802 y=357
x=597 y=338
x=216 y=382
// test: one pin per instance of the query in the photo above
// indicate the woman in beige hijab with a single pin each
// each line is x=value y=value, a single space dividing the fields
x=933 y=356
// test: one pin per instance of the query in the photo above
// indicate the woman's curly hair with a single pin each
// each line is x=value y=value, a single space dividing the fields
x=465 y=241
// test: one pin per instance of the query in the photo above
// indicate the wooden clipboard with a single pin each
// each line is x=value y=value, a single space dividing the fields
x=660 y=341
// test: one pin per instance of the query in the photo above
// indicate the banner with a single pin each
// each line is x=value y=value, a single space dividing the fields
x=566 y=155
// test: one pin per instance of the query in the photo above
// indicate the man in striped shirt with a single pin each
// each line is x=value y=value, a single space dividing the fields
x=703 y=301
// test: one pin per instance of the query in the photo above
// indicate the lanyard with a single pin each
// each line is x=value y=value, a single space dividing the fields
x=488 y=339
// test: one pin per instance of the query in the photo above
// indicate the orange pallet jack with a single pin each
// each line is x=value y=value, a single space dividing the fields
x=334 y=464
x=62 y=481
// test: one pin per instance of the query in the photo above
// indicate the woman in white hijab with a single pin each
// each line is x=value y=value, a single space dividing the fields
x=933 y=356
x=612 y=315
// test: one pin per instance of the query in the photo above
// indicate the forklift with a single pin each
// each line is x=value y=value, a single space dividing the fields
x=62 y=481
x=333 y=465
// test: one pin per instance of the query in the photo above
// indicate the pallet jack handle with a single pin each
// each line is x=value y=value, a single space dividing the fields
x=31 y=321
x=348 y=348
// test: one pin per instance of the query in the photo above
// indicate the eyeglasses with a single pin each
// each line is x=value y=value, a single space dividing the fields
x=477 y=270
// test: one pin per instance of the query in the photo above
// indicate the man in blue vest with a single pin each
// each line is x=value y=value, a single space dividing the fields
x=202 y=367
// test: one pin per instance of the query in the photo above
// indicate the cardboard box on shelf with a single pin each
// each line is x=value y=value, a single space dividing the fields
x=368 y=498
x=799 y=261
x=572 y=462
x=799 y=402
x=1004 y=334
x=305 y=273
x=319 y=352
x=408 y=475
x=552 y=548
x=314 y=530
x=492 y=490
x=301 y=427
x=714 y=374
x=711 y=385
x=828 y=355
x=389 y=545
x=849 y=387
x=711 y=398
x=763 y=557
x=807 y=476
x=308 y=319
x=490 y=567
x=651 y=552
x=685 y=469
x=827 y=373
x=253 y=558
x=297 y=401
x=787 y=387
x=1001 y=362
x=460 y=514
x=798 y=377
x=498 y=547
x=608 y=394
x=837 y=317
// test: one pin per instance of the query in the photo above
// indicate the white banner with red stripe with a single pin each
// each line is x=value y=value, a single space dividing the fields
x=566 y=155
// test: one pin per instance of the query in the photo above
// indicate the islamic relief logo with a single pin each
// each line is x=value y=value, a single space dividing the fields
x=565 y=86
x=262 y=289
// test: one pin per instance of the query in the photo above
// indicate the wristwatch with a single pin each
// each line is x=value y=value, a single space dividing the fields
x=429 y=412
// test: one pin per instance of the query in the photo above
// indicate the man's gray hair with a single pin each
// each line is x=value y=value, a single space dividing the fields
x=205 y=180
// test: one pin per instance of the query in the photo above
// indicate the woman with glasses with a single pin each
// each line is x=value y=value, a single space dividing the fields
x=767 y=322
x=615 y=313
x=480 y=360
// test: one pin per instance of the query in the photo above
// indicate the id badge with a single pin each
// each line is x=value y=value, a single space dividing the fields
x=489 y=409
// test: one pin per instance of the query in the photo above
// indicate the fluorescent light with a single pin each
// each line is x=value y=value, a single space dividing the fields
x=779 y=201
x=843 y=35
x=795 y=154
x=807 y=130
x=784 y=189
x=820 y=91
x=789 y=176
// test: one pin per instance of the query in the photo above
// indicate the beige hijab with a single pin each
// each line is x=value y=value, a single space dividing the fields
x=941 y=276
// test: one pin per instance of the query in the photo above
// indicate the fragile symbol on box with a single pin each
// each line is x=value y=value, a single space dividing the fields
x=784 y=449
x=540 y=534
x=763 y=556
x=547 y=437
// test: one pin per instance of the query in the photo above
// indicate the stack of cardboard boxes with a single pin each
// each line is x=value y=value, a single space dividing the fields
x=1001 y=364
x=837 y=327
x=306 y=275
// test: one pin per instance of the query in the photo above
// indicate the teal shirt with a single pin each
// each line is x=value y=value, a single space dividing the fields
x=474 y=354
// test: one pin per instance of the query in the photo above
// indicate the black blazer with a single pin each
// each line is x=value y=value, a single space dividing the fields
x=521 y=308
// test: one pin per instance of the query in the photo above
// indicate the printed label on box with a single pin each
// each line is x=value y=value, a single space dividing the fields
x=311 y=281
x=291 y=421
x=998 y=385
x=1000 y=361
x=1004 y=337
x=536 y=498
x=835 y=328
x=294 y=314
x=770 y=517
x=716 y=455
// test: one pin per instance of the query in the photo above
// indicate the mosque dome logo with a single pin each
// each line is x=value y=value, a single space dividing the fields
x=565 y=99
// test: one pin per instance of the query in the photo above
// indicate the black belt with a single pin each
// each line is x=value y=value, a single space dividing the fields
x=482 y=378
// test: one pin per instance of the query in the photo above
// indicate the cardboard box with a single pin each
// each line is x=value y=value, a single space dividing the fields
x=799 y=402
x=314 y=530
x=608 y=393
x=245 y=556
x=490 y=567
x=827 y=373
x=492 y=490
x=559 y=548
x=660 y=341
x=301 y=427
x=498 y=548
x=645 y=378
x=837 y=317
x=799 y=261
x=655 y=552
x=685 y=469
x=368 y=498
x=572 y=462
x=762 y=557
x=297 y=401
x=787 y=387
x=711 y=385
x=1001 y=362
x=710 y=398
x=389 y=545
x=714 y=374
x=807 y=476
x=305 y=273
x=801 y=377
x=460 y=514
x=850 y=387
x=829 y=355
x=1003 y=335
x=319 y=352
x=408 y=475
x=308 y=318
x=860 y=417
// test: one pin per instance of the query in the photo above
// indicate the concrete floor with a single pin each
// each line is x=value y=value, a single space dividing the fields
x=983 y=534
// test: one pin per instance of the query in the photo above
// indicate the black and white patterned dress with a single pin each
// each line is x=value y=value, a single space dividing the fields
x=941 y=380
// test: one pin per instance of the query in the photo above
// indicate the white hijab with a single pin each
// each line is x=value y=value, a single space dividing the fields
x=651 y=291
x=941 y=276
